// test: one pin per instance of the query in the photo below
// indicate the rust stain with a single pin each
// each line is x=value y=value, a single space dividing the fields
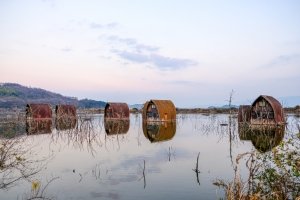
x=116 y=111
x=159 y=110
x=38 y=111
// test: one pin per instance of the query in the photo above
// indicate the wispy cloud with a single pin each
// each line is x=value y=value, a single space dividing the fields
x=161 y=62
x=66 y=49
x=132 y=43
x=283 y=60
x=101 y=26
x=142 y=53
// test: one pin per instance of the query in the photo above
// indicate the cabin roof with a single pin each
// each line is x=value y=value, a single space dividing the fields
x=275 y=104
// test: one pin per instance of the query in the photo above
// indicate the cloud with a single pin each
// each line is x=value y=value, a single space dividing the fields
x=283 y=60
x=101 y=26
x=133 y=44
x=168 y=63
x=133 y=57
x=185 y=83
x=161 y=62
x=66 y=49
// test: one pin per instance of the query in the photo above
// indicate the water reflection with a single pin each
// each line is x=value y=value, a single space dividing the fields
x=17 y=162
x=159 y=131
x=113 y=127
x=38 y=126
x=9 y=129
x=263 y=138
x=65 y=123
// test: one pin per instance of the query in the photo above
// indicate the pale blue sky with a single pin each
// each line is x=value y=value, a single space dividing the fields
x=192 y=52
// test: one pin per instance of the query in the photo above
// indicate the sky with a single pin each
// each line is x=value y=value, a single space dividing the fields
x=192 y=52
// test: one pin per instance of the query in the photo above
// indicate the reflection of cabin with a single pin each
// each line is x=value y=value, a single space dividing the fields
x=116 y=111
x=38 y=126
x=38 y=111
x=159 y=131
x=159 y=110
x=263 y=138
x=65 y=123
x=113 y=127
x=264 y=110
x=66 y=117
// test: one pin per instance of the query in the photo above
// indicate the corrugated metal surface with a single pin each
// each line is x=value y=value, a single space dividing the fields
x=65 y=111
x=38 y=111
x=38 y=126
x=113 y=127
x=159 y=131
x=244 y=113
x=166 y=109
x=276 y=106
x=116 y=111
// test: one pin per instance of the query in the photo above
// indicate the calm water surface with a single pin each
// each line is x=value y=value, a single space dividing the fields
x=131 y=161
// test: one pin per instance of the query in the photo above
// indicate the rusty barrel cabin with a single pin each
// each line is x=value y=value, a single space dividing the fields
x=66 y=117
x=265 y=110
x=116 y=111
x=38 y=118
x=159 y=110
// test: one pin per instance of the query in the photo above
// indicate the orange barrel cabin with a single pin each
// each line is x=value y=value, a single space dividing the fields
x=159 y=110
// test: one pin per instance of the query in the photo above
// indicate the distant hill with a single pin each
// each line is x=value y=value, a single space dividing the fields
x=13 y=95
x=88 y=103
x=223 y=107
x=137 y=106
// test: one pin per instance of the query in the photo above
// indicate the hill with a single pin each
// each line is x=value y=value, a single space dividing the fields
x=13 y=95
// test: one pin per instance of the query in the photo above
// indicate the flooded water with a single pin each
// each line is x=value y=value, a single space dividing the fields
x=132 y=160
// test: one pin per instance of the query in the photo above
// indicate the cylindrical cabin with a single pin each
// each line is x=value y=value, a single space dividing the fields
x=244 y=113
x=159 y=110
x=116 y=111
x=159 y=131
x=66 y=117
x=114 y=127
x=267 y=110
x=38 y=111
x=65 y=111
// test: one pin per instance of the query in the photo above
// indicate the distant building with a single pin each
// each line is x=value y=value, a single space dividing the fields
x=159 y=110
x=116 y=111
x=265 y=110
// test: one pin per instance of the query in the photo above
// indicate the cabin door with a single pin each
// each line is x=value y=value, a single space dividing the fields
x=166 y=116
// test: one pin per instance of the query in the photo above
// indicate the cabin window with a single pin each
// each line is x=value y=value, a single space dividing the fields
x=262 y=103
